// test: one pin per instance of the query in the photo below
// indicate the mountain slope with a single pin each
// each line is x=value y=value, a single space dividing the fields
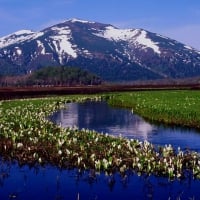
x=112 y=53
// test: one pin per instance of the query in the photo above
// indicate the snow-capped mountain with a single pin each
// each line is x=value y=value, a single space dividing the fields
x=110 y=52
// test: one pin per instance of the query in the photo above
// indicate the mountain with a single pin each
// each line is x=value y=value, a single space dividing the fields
x=111 y=53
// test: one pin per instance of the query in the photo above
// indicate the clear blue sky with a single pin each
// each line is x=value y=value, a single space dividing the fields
x=178 y=19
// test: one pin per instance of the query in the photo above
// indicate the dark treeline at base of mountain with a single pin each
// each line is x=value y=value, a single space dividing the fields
x=53 y=76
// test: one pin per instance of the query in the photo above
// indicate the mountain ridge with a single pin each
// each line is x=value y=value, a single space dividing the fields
x=112 y=53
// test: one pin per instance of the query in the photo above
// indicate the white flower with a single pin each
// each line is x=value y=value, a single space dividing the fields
x=79 y=160
x=59 y=152
x=40 y=160
x=19 y=145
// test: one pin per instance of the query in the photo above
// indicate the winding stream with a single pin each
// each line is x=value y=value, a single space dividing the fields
x=99 y=116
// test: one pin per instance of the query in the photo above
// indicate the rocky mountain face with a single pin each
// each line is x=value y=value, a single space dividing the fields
x=112 y=53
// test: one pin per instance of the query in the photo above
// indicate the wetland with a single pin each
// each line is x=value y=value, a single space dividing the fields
x=105 y=166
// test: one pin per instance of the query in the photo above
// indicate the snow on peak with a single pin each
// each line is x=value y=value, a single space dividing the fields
x=14 y=38
x=18 y=37
x=137 y=36
x=113 y=33
x=73 y=20
x=62 y=44
x=23 y=32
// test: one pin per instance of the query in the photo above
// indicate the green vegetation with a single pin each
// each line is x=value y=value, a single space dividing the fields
x=170 y=107
x=64 y=76
x=53 y=76
x=27 y=136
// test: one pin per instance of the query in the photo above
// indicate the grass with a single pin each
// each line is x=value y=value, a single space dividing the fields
x=28 y=137
x=169 y=107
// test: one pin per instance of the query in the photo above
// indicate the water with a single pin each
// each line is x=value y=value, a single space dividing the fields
x=101 y=117
x=49 y=182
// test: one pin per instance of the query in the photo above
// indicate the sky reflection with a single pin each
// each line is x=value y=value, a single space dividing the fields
x=100 y=117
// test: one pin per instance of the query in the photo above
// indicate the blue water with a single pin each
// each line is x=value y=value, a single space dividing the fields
x=49 y=182
x=101 y=117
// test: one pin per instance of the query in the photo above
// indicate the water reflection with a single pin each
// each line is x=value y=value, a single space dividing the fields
x=103 y=118
x=51 y=183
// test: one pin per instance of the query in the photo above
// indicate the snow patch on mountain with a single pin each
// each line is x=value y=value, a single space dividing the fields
x=41 y=47
x=19 y=37
x=62 y=43
x=144 y=40
x=18 y=51
x=188 y=47
x=23 y=32
x=35 y=35
x=81 y=21
x=13 y=38
x=86 y=52
x=192 y=49
x=112 y=33
x=132 y=35
x=161 y=36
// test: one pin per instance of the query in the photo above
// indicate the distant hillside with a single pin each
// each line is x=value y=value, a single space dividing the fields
x=107 y=51
x=53 y=76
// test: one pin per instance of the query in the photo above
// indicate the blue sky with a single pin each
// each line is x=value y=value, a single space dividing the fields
x=178 y=19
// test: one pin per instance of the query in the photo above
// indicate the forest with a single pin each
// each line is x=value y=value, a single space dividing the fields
x=53 y=76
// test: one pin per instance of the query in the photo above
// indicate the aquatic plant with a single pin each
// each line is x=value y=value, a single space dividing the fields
x=26 y=135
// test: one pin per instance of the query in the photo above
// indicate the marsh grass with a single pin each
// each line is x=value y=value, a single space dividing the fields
x=28 y=137
x=179 y=107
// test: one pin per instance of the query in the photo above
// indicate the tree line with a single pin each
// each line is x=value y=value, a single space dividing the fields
x=53 y=76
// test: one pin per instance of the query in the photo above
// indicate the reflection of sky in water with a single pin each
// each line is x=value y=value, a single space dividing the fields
x=116 y=121
x=49 y=182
